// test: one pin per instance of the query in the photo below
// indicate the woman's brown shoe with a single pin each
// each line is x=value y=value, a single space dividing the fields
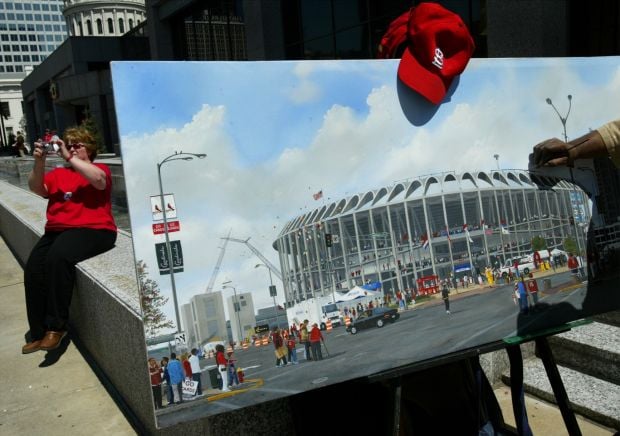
x=31 y=347
x=51 y=340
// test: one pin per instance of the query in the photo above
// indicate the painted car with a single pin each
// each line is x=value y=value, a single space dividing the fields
x=376 y=317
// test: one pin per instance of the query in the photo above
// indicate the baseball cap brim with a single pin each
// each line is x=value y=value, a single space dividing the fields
x=431 y=86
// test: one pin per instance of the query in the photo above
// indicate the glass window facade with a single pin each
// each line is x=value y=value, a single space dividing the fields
x=26 y=27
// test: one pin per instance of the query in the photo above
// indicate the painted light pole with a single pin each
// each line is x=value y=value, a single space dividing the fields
x=178 y=155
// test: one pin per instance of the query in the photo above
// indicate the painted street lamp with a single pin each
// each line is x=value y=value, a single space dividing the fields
x=178 y=155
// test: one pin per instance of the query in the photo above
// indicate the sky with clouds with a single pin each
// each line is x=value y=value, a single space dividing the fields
x=277 y=132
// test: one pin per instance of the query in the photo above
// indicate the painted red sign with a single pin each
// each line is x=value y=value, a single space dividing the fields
x=173 y=226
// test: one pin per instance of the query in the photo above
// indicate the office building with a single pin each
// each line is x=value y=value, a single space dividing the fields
x=241 y=315
x=203 y=319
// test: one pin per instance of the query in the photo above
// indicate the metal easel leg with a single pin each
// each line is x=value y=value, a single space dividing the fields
x=516 y=389
x=544 y=351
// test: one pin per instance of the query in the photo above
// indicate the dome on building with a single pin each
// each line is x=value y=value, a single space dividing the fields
x=445 y=225
x=103 y=18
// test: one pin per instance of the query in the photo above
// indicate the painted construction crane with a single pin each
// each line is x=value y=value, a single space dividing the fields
x=258 y=254
x=216 y=269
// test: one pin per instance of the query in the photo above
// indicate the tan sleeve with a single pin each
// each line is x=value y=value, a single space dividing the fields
x=610 y=133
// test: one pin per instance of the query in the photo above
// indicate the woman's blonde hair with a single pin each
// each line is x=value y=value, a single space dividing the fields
x=83 y=135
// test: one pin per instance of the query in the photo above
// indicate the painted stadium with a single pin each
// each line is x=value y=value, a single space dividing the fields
x=438 y=224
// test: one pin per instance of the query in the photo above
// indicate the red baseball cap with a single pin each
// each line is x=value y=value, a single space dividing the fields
x=394 y=37
x=439 y=48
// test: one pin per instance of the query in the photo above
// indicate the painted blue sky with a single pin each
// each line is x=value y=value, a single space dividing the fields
x=276 y=132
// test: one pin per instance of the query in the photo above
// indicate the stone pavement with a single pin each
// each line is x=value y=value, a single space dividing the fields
x=57 y=393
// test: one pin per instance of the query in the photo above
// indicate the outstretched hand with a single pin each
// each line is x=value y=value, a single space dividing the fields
x=551 y=153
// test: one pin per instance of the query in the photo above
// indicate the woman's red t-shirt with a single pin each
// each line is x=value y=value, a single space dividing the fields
x=75 y=203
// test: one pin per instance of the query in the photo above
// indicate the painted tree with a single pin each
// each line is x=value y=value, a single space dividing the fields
x=570 y=245
x=538 y=243
x=151 y=301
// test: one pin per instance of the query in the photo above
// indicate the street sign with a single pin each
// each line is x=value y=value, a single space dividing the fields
x=173 y=226
x=162 y=257
x=272 y=291
x=261 y=328
x=179 y=338
x=157 y=209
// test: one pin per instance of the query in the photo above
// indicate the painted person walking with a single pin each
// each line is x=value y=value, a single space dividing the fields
x=445 y=295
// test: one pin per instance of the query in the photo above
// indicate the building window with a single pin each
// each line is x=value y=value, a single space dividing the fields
x=110 y=26
x=8 y=58
x=130 y=24
x=121 y=26
x=4 y=37
x=80 y=27
x=99 y=27
x=89 y=27
x=9 y=69
x=19 y=68
x=13 y=37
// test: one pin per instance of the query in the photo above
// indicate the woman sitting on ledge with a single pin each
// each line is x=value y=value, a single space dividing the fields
x=79 y=226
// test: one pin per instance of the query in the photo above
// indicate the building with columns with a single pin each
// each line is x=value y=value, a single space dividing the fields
x=103 y=18
x=443 y=224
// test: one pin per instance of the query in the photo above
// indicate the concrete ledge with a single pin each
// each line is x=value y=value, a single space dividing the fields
x=592 y=349
x=591 y=397
x=105 y=316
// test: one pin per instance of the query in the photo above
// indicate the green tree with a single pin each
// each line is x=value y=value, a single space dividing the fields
x=539 y=243
x=151 y=302
x=90 y=123
x=570 y=245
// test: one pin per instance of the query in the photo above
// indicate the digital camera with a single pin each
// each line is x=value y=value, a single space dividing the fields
x=50 y=148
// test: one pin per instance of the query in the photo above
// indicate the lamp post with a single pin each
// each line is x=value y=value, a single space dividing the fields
x=562 y=118
x=496 y=156
x=236 y=307
x=178 y=155
x=563 y=121
x=275 y=307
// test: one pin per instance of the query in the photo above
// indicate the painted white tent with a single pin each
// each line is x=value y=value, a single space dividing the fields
x=358 y=292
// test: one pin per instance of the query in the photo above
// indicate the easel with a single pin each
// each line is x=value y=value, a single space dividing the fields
x=377 y=404
x=546 y=356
